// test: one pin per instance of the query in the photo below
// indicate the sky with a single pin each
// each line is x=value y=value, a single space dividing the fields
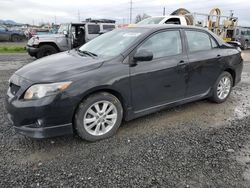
x=61 y=11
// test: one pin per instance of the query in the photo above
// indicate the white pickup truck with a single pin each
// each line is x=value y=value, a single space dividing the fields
x=179 y=20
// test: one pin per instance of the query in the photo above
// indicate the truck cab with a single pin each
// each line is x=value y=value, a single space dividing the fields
x=178 y=20
x=69 y=36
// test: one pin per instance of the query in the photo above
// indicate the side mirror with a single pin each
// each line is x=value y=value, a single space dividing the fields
x=65 y=33
x=143 y=55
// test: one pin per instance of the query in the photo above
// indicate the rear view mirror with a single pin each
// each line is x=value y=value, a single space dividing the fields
x=143 y=55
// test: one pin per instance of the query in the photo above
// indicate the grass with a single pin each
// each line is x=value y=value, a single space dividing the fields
x=12 y=49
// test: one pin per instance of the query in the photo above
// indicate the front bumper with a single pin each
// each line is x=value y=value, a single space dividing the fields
x=42 y=119
x=32 y=51
x=46 y=117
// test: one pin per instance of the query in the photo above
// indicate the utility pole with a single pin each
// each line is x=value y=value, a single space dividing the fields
x=130 y=17
x=79 y=16
x=164 y=11
x=55 y=19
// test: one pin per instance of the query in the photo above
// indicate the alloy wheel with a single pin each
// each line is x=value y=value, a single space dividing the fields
x=224 y=87
x=100 y=118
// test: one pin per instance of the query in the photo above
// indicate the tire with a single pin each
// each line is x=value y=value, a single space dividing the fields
x=15 y=38
x=216 y=97
x=92 y=127
x=46 y=50
x=245 y=47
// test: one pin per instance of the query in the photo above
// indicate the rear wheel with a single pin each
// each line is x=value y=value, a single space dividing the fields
x=245 y=47
x=98 y=117
x=15 y=38
x=46 y=50
x=222 y=87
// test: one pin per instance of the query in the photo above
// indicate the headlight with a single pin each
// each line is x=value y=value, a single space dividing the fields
x=42 y=90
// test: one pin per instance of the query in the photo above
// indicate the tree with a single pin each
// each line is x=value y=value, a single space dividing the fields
x=140 y=17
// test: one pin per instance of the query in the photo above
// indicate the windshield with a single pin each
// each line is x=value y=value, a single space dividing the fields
x=112 y=43
x=152 y=20
x=62 y=28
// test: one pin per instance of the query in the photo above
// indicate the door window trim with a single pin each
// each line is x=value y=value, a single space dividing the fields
x=198 y=30
x=157 y=32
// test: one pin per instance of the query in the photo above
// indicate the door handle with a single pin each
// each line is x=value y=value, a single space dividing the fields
x=182 y=63
x=219 y=56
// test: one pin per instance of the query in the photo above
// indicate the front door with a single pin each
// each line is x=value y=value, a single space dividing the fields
x=163 y=79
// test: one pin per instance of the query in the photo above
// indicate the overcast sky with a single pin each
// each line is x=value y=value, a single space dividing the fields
x=29 y=11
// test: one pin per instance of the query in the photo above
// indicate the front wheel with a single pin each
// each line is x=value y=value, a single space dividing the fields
x=222 y=87
x=98 y=117
x=45 y=50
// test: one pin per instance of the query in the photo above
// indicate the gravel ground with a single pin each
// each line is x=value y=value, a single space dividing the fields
x=200 y=144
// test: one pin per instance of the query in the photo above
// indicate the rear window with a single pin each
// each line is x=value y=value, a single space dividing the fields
x=93 y=29
x=152 y=20
x=108 y=27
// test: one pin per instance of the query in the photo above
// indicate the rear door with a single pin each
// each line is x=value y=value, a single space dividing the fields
x=205 y=61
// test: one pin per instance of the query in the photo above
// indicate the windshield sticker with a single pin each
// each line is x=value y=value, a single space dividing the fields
x=131 y=34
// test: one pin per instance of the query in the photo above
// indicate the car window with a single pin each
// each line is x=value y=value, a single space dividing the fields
x=163 y=44
x=93 y=29
x=198 y=41
x=108 y=27
x=2 y=28
x=214 y=44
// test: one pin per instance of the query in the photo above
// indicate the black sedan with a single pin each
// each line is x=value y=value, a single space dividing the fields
x=120 y=75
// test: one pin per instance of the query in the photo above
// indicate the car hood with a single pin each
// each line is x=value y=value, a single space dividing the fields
x=50 y=36
x=58 y=67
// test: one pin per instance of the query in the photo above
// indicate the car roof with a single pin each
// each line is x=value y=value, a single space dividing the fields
x=156 y=27
x=165 y=26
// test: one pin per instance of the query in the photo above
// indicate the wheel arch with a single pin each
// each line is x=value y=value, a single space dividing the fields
x=232 y=72
x=109 y=90
x=49 y=43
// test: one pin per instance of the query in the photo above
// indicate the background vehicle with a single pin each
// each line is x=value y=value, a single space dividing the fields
x=10 y=35
x=69 y=36
x=223 y=26
x=123 y=74
x=242 y=35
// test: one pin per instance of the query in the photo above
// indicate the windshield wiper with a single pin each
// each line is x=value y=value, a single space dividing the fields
x=85 y=52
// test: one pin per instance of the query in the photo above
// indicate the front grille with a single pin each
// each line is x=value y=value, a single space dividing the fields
x=14 y=88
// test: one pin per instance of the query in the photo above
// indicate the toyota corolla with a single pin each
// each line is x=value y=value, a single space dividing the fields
x=119 y=76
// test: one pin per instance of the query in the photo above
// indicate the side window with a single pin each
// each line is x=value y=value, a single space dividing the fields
x=2 y=28
x=214 y=44
x=198 y=41
x=108 y=27
x=93 y=29
x=163 y=44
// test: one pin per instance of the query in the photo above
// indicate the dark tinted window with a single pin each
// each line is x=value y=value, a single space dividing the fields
x=108 y=27
x=198 y=41
x=93 y=29
x=163 y=44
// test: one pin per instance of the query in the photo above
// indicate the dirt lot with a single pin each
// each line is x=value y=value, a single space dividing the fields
x=199 y=144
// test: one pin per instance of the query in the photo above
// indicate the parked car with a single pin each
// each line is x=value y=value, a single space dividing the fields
x=242 y=35
x=10 y=35
x=120 y=75
x=69 y=36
